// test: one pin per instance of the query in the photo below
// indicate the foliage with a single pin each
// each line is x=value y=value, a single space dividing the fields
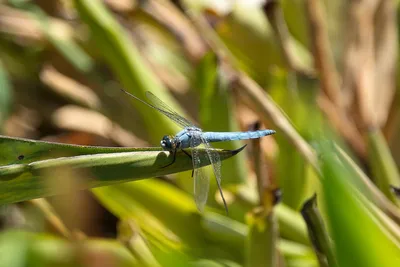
x=320 y=192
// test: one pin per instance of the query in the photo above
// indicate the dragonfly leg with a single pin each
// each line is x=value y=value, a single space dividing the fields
x=173 y=160
x=187 y=154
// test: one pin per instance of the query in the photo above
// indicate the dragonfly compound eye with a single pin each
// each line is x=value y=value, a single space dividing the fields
x=166 y=142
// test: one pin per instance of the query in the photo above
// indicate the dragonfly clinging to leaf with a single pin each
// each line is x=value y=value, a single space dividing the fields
x=192 y=137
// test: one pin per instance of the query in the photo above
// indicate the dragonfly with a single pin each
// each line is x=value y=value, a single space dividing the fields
x=193 y=137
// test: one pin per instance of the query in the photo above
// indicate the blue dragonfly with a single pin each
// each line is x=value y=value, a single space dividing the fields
x=192 y=137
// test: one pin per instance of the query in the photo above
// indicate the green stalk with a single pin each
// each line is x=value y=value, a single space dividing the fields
x=261 y=239
x=318 y=233
x=216 y=112
x=33 y=169
x=127 y=64
x=383 y=165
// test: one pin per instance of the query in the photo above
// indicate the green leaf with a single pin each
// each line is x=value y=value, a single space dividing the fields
x=20 y=248
x=167 y=216
x=138 y=245
x=128 y=201
x=216 y=114
x=292 y=168
x=383 y=165
x=318 y=233
x=261 y=239
x=170 y=221
x=231 y=234
x=127 y=64
x=160 y=209
x=32 y=167
x=360 y=239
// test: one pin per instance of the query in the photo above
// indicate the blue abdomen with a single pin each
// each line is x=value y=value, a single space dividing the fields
x=230 y=136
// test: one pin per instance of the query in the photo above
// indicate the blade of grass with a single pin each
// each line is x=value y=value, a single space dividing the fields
x=20 y=151
x=378 y=247
x=268 y=109
x=261 y=239
x=216 y=114
x=291 y=165
x=383 y=165
x=13 y=248
x=261 y=101
x=291 y=224
x=167 y=215
x=30 y=178
x=293 y=53
x=126 y=207
x=169 y=218
x=136 y=243
x=233 y=235
x=126 y=62
x=19 y=247
x=51 y=216
x=318 y=234
x=363 y=184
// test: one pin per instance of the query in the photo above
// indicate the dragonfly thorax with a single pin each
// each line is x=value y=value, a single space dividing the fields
x=168 y=143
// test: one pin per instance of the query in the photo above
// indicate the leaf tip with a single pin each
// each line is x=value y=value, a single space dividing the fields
x=234 y=152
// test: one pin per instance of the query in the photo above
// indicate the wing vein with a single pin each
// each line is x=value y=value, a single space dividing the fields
x=215 y=161
x=201 y=178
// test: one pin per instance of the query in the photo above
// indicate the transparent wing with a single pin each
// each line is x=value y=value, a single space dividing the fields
x=216 y=163
x=160 y=106
x=157 y=104
x=201 y=180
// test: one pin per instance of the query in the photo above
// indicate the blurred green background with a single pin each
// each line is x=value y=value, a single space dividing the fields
x=323 y=191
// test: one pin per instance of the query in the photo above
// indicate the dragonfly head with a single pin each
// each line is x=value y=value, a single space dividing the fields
x=167 y=143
